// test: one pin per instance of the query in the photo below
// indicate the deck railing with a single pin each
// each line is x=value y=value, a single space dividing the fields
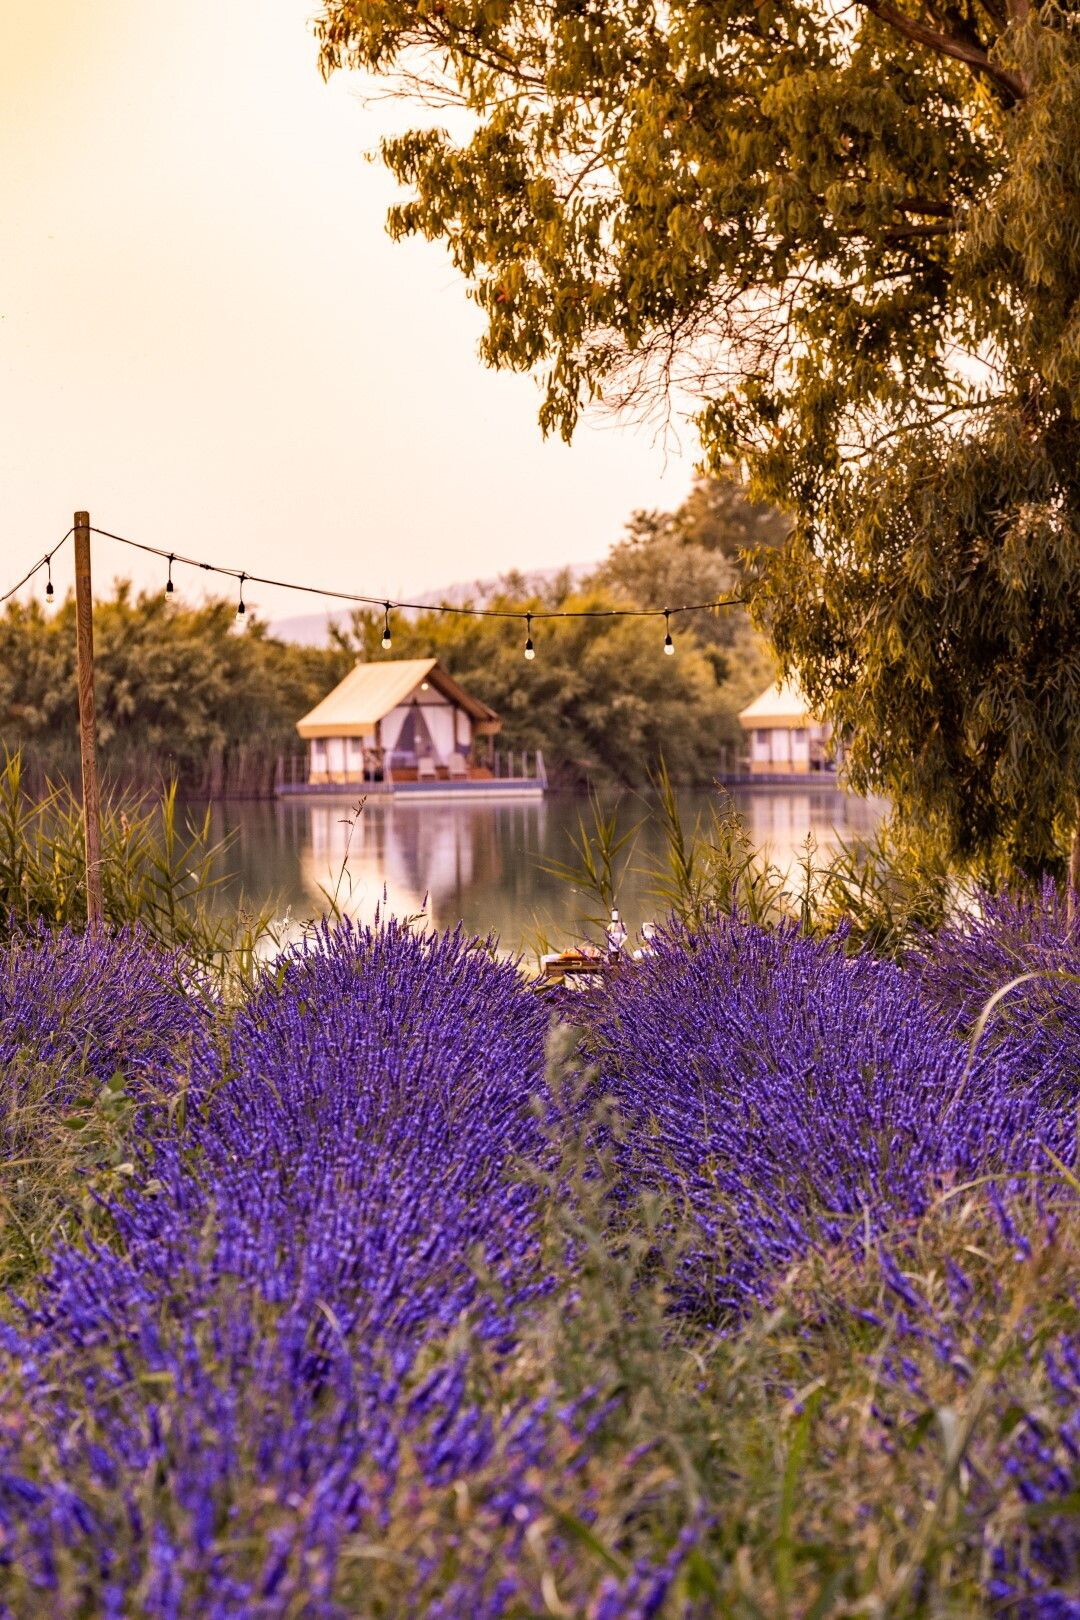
x=514 y=765
x=293 y=771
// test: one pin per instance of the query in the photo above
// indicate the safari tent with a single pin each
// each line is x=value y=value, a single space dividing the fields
x=405 y=719
x=784 y=737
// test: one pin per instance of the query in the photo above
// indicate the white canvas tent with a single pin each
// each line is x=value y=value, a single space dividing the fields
x=404 y=715
x=784 y=737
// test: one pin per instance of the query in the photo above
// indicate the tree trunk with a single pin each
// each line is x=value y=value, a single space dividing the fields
x=216 y=772
x=1073 y=899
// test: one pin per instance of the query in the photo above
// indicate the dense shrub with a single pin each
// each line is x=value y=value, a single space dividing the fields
x=796 y=1097
x=941 y=1384
x=91 y=1032
x=1022 y=949
x=377 y=1324
x=265 y=1357
x=80 y=1007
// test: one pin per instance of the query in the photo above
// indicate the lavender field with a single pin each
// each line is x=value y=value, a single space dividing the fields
x=745 y=1286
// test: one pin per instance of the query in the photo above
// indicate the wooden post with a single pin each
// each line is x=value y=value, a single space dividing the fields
x=1072 y=898
x=91 y=792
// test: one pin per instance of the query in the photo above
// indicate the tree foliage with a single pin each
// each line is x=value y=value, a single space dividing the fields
x=718 y=518
x=852 y=233
x=179 y=694
x=700 y=552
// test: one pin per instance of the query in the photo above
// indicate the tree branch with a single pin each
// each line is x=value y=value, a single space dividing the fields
x=926 y=205
x=960 y=50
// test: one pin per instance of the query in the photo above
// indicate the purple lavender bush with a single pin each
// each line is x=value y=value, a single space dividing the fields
x=272 y=1352
x=85 y=1007
x=1024 y=945
x=383 y=1326
x=794 y=1098
x=92 y=1032
x=981 y=1332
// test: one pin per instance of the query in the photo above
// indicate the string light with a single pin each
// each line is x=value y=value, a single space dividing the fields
x=35 y=568
x=243 y=577
x=467 y=612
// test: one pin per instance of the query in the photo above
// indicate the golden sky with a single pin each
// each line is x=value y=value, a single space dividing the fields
x=207 y=339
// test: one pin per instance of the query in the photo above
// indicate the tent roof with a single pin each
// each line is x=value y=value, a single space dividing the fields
x=782 y=705
x=370 y=691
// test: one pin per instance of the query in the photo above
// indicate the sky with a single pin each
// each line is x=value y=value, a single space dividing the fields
x=208 y=341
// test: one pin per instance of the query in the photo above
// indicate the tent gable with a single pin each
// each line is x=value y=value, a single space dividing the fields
x=781 y=705
x=370 y=691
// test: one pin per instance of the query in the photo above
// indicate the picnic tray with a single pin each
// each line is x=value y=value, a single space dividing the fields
x=574 y=964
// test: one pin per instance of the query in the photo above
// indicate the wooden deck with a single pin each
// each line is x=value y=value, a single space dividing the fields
x=476 y=781
x=474 y=773
x=492 y=787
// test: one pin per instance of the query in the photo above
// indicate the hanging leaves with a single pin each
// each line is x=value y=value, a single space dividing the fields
x=853 y=233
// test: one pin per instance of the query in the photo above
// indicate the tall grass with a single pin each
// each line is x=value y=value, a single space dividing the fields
x=160 y=871
x=850 y=1449
x=885 y=893
x=60 y=1166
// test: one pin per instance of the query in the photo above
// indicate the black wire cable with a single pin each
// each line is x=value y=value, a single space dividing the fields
x=42 y=562
x=524 y=616
x=388 y=606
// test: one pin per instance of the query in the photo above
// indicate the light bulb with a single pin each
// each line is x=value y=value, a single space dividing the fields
x=169 y=586
x=50 y=594
x=386 y=642
x=240 y=608
x=530 y=650
x=669 y=645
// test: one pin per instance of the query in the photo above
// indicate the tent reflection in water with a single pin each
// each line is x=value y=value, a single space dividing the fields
x=401 y=721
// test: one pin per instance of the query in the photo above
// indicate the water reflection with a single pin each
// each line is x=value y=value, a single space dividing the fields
x=779 y=819
x=483 y=863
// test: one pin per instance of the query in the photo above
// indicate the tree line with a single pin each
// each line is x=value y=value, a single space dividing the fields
x=181 y=695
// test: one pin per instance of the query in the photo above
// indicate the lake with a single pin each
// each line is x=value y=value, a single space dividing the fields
x=482 y=863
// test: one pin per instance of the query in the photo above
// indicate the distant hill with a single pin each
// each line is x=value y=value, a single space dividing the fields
x=313 y=629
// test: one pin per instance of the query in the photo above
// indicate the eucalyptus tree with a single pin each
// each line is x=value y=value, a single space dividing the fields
x=850 y=230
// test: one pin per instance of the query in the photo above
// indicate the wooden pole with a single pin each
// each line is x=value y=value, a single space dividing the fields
x=91 y=791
